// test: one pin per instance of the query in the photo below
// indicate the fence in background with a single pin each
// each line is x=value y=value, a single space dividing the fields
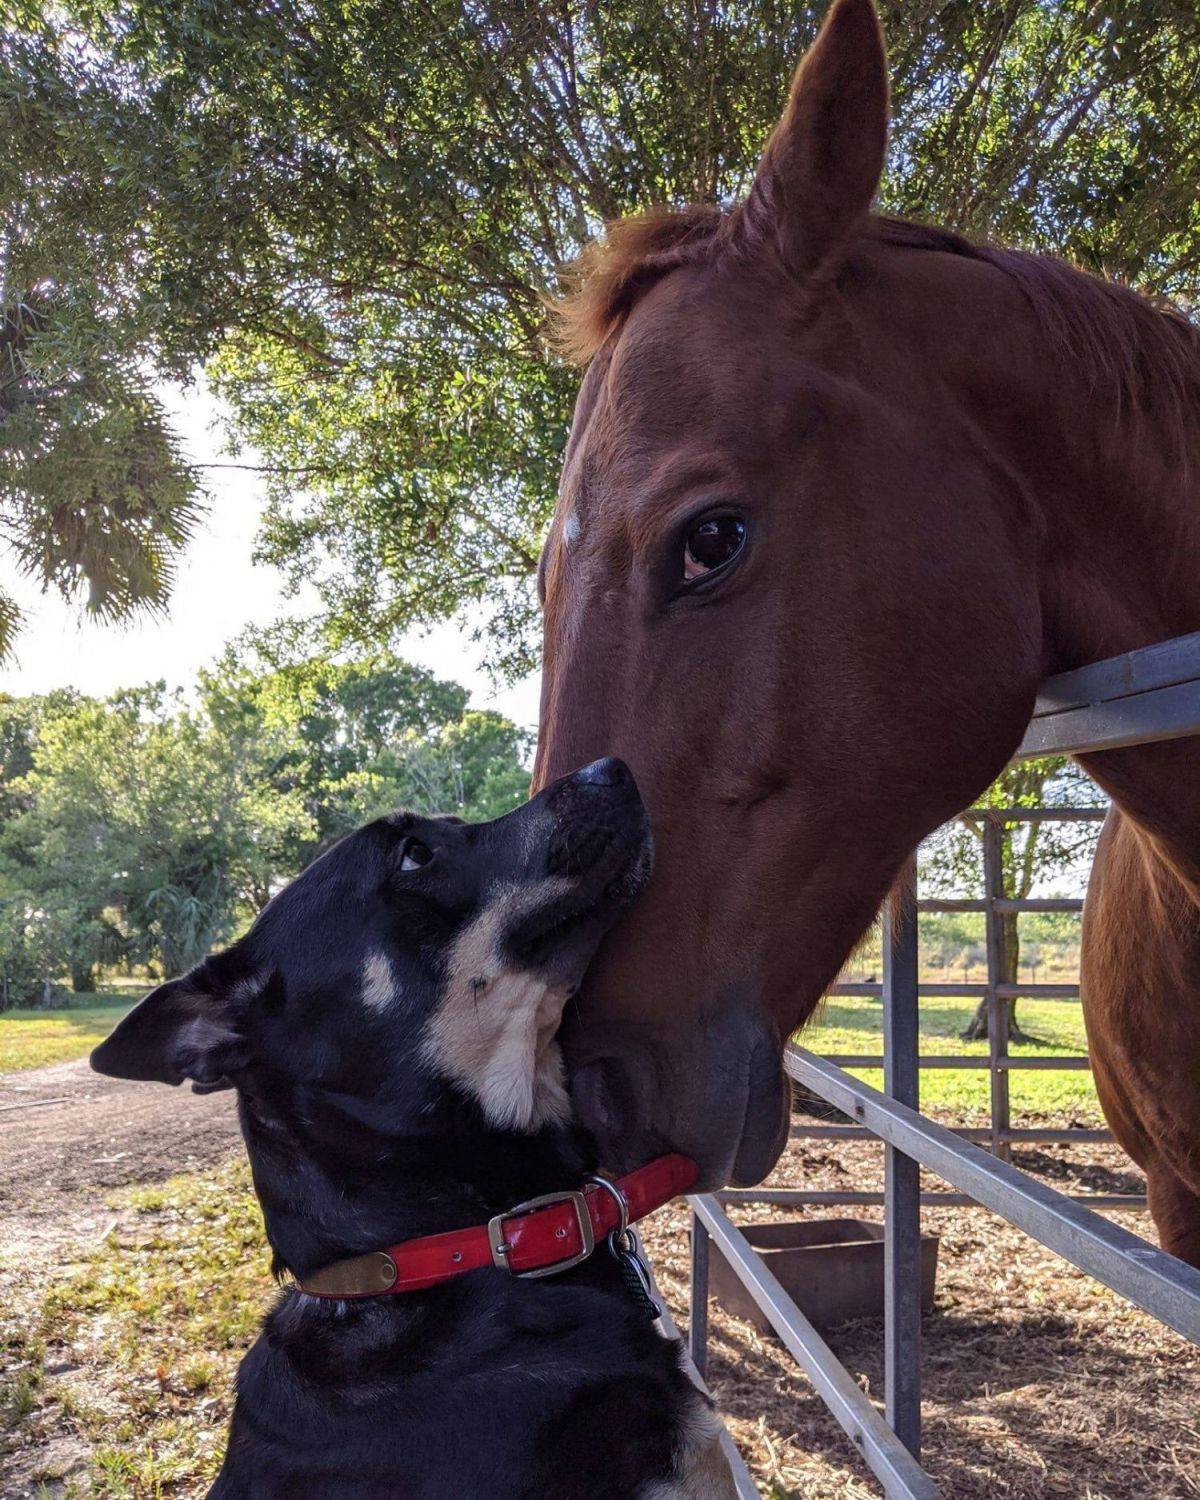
x=1000 y=1135
x=1140 y=698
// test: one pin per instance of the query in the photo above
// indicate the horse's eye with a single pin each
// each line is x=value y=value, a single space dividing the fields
x=415 y=855
x=711 y=545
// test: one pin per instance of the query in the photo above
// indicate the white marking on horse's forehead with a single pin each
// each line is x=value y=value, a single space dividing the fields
x=379 y=986
x=570 y=494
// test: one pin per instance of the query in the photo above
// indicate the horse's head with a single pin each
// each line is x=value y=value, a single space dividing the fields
x=790 y=584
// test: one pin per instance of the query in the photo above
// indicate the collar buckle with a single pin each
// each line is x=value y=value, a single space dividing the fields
x=501 y=1249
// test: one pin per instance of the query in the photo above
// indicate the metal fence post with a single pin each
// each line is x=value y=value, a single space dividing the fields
x=997 y=1006
x=698 y=1294
x=901 y=1186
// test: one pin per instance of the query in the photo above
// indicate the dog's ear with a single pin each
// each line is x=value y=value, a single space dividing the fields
x=187 y=1028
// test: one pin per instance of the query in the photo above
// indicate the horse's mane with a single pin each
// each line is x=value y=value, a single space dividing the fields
x=1145 y=348
x=1142 y=346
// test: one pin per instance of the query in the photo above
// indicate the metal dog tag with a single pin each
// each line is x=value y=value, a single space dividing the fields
x=360 y=1276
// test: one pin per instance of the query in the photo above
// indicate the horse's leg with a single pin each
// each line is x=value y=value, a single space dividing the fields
x=1140 y=973
x=1176 y=1210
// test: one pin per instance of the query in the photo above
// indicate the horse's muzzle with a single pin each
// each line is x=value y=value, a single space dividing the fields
x=717 y=1094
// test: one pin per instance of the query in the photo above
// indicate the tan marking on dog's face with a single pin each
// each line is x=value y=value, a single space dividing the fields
x=494 y=1029
x=378 y=981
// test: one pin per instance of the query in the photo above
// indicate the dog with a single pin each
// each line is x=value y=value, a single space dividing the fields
x=389 y=1026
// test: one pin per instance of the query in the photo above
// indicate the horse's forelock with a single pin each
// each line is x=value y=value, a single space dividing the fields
x=614 y=271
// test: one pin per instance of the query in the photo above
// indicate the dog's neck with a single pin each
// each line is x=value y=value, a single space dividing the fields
x=337 y=1177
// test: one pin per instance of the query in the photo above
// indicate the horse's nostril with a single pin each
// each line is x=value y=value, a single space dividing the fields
x=606 y=772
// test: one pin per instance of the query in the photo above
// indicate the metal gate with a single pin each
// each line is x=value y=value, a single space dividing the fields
x=1139 y=698
x=1000 y=1134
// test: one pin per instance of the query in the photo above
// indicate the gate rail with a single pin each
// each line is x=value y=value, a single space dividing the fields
x=1139 y=698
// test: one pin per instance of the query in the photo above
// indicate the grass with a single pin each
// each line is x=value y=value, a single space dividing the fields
x=150 y=1324
x=855 y=1024
x=130 y=1353
x=130 y=1349
x=33 y=1038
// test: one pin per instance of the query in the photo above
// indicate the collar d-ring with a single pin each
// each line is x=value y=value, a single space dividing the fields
x=618 y=1237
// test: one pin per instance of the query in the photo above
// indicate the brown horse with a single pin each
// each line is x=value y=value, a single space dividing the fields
x=840 y=492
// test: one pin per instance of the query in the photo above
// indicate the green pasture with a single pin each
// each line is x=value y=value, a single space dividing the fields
x=855 y=1024
x=33 y=1038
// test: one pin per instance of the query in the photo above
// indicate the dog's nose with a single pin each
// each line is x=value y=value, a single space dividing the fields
x=607 y=772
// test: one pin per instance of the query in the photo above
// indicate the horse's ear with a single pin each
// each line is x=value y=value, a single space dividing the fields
x=186 y=1028
x=824 y=160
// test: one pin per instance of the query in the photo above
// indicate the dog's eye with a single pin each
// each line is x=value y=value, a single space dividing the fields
x=415 y=855
x=713 y=544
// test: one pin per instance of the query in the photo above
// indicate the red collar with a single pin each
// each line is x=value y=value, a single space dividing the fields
x=537 y=1238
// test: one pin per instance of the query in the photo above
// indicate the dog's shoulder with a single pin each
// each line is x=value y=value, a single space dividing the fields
x=502 y=1387
x=647 y=1428
x=700 y=1470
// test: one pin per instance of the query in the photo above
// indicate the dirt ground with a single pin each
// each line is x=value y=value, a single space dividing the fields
x=1038 y=1382
x=68 y=1136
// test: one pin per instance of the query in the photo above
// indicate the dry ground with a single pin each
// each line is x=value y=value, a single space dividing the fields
x=66 y=1132
x=1039 y=1382
x=127 y=1309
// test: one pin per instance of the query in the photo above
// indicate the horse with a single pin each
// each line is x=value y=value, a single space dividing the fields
x=840 y=491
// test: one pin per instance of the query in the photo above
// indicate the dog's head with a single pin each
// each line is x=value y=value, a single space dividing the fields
x=417 y=956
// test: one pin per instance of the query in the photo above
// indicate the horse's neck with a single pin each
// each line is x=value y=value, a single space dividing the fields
x=1123 y=571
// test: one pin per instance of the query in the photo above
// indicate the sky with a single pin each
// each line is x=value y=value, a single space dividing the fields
x=218 y=592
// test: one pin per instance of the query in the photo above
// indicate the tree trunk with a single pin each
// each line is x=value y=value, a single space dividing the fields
x=977 y=1029
x=83 y=979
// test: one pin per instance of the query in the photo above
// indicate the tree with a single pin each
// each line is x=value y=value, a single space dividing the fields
x=340 y=726
x=144 y=829
x=1031 y=854
x=350 y=212
x=94 y=490
x=365 y=735
x=34 y=943
x=147 y=834
x=20 y=719
x=474 y=768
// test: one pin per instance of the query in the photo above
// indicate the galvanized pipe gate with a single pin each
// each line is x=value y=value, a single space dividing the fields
x=1139 y=698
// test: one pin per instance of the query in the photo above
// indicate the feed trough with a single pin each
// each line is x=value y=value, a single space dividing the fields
x=831 y=1268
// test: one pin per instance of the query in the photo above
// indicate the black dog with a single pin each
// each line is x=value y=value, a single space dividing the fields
x=388 y=1024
